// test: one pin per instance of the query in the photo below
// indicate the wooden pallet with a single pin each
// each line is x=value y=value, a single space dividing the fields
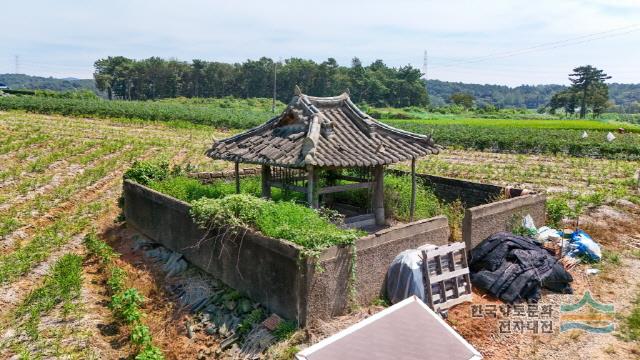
x=446 y=275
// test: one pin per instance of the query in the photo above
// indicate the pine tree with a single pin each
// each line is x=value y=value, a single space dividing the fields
x=587 y=82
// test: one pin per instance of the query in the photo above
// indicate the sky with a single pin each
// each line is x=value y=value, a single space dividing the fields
x=490 y=41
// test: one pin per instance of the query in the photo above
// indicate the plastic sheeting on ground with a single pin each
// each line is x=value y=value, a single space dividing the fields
x=582 y=244
x=404 y=277
x=513 y=268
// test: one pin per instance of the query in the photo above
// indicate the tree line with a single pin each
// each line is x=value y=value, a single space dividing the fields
x=155 y=78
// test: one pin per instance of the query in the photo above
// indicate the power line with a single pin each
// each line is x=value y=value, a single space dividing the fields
x=548 y=46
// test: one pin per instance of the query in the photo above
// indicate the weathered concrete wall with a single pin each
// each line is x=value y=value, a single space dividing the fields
x=328 y=289
x=273 y=271
x=469 y=192
x=481 y=221
x=265 y=269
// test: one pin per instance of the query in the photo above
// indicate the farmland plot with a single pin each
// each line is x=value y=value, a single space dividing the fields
x=60 y=178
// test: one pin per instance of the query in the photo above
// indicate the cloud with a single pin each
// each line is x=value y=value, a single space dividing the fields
x=63 y=38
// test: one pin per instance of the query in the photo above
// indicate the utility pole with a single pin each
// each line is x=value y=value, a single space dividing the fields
x=275 y=79
x=424 y=70
x=17 y=64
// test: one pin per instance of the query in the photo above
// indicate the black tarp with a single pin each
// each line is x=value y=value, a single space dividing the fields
x=514 y=268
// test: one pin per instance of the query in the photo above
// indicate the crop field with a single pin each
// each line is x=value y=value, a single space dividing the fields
x=559 y=137
x=528 y=133
x=60 y=180
x=225 y=112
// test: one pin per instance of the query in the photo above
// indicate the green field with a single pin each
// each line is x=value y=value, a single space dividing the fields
x=520 y=131
x=223 y=112
x=485 y=135
x=556 y=124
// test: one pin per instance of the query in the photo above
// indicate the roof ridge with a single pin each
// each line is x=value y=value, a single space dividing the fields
x=311 y=140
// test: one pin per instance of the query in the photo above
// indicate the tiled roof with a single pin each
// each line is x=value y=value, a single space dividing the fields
x=325 y=132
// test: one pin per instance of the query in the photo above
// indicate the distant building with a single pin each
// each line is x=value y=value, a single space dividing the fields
x=3 y=86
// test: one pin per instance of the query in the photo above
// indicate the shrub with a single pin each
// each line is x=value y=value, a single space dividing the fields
x=228 y=112
x=150 y=352
x=233 y=210
x=283 y=220
x=141 y=335
x=184 y=188
x=116 y=281
x=397 y=197
x=143 y=172
x=126 y=305
x=557 y=209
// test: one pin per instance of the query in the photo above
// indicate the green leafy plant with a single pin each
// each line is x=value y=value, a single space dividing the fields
x=99 y=248
x=283 y=220
x=116 y=280
x=140 y=335
x=557 y=209
x=150 y=352
x=126 y=305
x=285 y=329
x=143 y=172
x=254 y=317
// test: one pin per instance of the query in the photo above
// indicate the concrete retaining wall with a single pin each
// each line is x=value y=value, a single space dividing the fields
x=469 y=192
x=484 y=220
x=275 y=272
x=328 y=292
x=268 y=270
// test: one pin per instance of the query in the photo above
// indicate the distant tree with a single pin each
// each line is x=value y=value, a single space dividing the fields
x=566 y=100
x=156 y=78
x=114 y=75
x=587 y=82
x=463 y=99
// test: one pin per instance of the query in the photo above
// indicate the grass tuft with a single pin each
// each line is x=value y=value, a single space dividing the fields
x=62 y=285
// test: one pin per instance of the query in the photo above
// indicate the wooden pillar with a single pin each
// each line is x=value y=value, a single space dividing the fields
x=312 y=187
x=412 y=208
x=378 y=195
x=266 y=181
x=237 y=173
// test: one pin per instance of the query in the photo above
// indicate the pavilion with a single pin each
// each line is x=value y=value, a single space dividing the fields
x=321 y=136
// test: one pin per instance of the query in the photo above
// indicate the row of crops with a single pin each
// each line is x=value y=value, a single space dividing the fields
x=223 y=113
x=558 y=124
x=501 y=135
x=528 y=140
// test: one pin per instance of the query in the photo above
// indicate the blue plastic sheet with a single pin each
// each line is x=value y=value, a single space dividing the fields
x=582 y=244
